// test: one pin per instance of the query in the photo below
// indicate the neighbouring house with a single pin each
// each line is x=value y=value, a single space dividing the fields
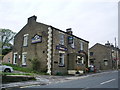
x=57 y=51
x=104 y=57
x=8 y=58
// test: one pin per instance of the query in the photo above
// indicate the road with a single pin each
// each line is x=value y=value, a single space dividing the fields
x=99 y=80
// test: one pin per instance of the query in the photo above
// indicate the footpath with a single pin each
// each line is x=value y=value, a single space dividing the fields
x=47 y=79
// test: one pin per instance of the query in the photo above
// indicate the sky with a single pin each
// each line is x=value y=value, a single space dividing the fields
x=93 y=20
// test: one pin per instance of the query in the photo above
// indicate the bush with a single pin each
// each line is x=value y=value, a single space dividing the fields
x=59 y=74
x=35 y=64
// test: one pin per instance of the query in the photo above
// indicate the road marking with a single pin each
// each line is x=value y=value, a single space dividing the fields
x=107 y=81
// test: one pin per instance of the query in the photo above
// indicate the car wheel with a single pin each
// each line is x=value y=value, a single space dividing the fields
x=7 y=70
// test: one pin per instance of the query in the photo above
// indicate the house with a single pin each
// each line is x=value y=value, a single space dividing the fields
x=104 y=57
x=8 y=58
x=58 y=51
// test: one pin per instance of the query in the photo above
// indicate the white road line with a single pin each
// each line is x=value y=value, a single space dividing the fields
x=107 y=81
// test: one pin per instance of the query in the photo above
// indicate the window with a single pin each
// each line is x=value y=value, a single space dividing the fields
x=80 y=60
x=106 y=62
x=61 y=39
x=25 y=40
x=91 y=53
x=15 y=58
x=81 y=45
x=8 y=60
x=73 y=44
x=61 y=62
x=24 y=58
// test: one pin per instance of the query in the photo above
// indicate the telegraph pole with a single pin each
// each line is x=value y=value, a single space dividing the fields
x=116 y=53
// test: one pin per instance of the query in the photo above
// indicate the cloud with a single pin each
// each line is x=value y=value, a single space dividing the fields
x=95 y=21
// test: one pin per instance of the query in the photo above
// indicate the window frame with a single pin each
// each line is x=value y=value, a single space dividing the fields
x=25 y=40
x=81 y=46
x=73 y=44
x=80 y=60
x=105 y=62
x=61 y=39
x=24 y=60
x=15 y=58
x=61 y=59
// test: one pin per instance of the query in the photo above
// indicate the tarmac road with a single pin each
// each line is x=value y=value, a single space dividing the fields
x=104 y=80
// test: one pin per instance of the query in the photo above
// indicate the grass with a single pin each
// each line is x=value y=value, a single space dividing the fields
x=24 y=69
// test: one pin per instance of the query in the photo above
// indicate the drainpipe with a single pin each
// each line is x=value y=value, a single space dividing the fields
x=88 y=56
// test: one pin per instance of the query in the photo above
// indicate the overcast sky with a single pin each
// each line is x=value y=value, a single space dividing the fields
x=93 y=20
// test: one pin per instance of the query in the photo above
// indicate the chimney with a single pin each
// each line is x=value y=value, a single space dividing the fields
x=69 y=31
x=107 y=44
x=32 y=19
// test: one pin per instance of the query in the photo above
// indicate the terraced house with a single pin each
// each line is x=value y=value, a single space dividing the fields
x=57 y=51
x=104 y=57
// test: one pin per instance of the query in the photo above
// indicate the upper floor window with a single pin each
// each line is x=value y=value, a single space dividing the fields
x=25 y=40
x=91 y=53
x=73 y=44
x=61 y=37
x=81 y=45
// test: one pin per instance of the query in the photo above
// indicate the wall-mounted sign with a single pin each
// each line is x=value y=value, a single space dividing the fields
x=61 y=47
x=70 y=39
x=37 y=39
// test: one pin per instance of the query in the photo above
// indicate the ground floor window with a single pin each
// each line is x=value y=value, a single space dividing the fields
x=80 y=60
x=15 y=58
x=61 y=60
x=106 y=62
x=24 y=58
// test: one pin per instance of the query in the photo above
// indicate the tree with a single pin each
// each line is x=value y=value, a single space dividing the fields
x=6 y=37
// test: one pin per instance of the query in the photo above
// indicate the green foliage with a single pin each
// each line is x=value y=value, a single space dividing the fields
x=35 y=64
x=18 y=68
x=24 y=69
x=7 y=37
x=6 y=51
x=59 y=74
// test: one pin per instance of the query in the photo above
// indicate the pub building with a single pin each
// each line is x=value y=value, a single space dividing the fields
x=58 y=52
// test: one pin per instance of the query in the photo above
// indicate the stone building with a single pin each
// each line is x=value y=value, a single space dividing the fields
x=8 y=58
x=58 y=51
x=104 y=57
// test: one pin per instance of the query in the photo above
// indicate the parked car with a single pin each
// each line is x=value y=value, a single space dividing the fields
x=4 y=68
x=91 y=68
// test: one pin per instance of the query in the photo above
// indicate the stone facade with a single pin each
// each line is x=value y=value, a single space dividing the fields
x=103 y=57
x=51 y=46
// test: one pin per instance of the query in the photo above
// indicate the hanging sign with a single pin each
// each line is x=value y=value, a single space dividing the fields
x=61 y=47
x=37 y=39
x=70 y=39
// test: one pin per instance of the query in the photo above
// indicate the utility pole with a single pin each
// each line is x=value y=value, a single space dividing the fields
x=116 y=53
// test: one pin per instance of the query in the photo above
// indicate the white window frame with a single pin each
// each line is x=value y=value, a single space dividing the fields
x=81 y=46
x=61 y=38
x=15 y=58
x=73 y=44
x=24 y=56
x=25 y=40
x=106 y=62
x=81 y=61
x=62 y=56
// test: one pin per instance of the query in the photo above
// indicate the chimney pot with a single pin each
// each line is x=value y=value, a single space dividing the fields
x=69 y=30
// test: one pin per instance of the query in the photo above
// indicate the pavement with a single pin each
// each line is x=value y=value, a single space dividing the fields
x=47 y=79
